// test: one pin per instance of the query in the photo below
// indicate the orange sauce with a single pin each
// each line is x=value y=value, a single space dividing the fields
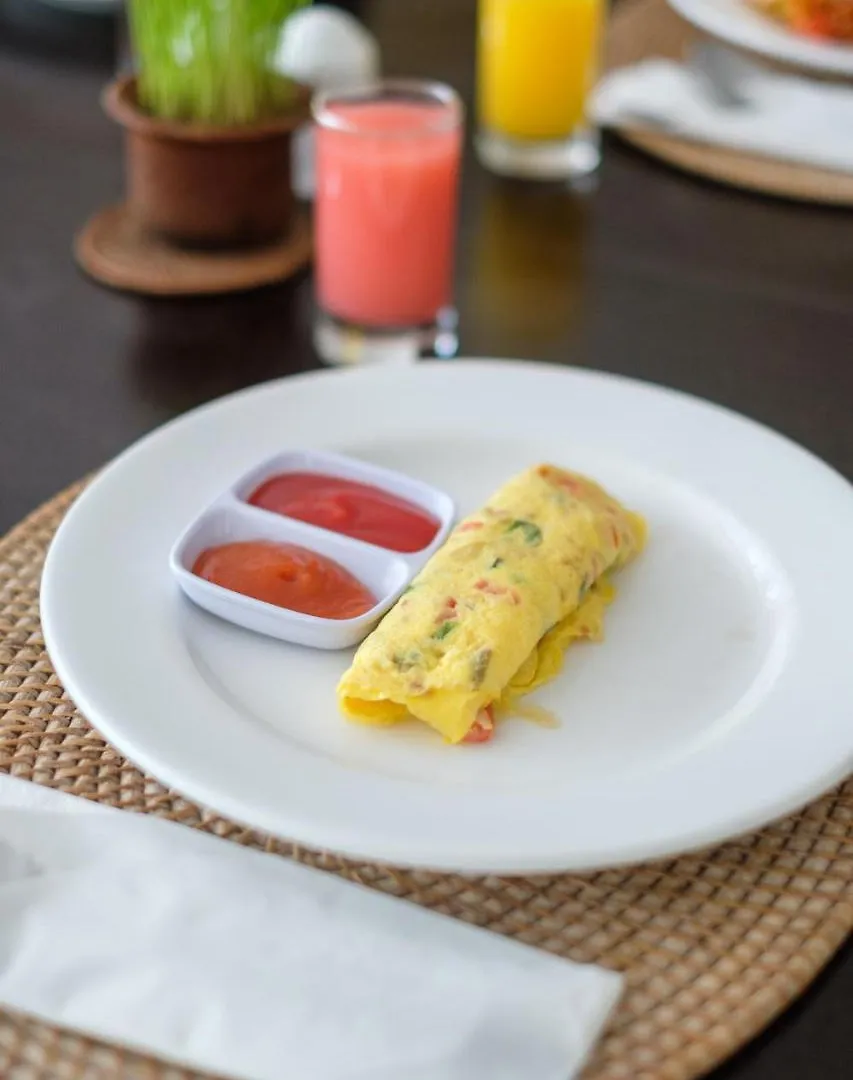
x=287 y=576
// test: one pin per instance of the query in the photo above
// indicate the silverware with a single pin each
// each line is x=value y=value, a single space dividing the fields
x=724 y=73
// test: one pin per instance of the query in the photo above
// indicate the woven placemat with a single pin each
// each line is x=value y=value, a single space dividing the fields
x=713 y=945
x=640 y=29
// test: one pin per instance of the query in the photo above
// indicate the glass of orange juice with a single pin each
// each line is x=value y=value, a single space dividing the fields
x=387 y=166
x=537 y=63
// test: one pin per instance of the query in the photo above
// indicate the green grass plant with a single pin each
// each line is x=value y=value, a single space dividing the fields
x=211 y=61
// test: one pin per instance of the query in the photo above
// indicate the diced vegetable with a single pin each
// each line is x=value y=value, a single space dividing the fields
x=490 y=587
x=448 y=610
x=407 y=660
x=530 y=531
x=479 y=666
x=483 y=727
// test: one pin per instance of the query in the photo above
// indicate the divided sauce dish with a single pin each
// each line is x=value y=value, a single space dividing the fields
x=233 y=519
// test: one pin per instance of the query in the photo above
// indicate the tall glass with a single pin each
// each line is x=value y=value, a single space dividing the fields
x=537 y=63
x=388 y=163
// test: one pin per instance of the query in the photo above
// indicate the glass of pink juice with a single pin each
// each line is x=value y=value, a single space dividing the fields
x=388 y=164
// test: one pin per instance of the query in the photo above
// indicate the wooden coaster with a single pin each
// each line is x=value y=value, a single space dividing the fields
x=713 y=945
x=640 y=29
x=114 y=250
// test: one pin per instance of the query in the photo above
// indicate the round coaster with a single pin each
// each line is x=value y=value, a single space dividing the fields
x=713 y=945
x=113 y=249
x=640 y=29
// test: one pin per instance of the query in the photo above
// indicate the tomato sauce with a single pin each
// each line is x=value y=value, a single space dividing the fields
x=350 y=508
x=287 y=576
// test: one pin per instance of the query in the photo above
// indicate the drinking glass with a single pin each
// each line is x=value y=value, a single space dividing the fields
x=537 y=63
x=388 y=164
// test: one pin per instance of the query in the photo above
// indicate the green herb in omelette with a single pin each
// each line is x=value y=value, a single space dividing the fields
x=407 y=660
x=443 y=630
x=530 y=531
x=479 y=666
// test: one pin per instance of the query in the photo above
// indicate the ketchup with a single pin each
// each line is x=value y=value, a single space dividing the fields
x=287 y=576
x=348 y=507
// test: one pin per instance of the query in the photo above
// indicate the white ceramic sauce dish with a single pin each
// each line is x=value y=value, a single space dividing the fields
x=232 y=519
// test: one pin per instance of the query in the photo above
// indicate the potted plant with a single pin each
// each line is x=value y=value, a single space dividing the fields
x=208 y=121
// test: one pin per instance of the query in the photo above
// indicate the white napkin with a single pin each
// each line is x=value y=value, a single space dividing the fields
x=224 y=959
x=720 y=97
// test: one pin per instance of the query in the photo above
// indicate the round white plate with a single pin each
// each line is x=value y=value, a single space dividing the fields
x=721 y=699
x=735 y=22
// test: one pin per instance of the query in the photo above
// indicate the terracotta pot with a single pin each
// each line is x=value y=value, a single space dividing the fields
x=200 y=185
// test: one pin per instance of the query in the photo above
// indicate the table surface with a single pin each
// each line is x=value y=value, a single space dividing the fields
x=739 y=299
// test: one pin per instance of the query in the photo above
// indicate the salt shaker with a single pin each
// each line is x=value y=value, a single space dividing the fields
x=325 y=48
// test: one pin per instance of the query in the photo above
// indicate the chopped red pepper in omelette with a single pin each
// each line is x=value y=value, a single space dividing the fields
x=483 y=727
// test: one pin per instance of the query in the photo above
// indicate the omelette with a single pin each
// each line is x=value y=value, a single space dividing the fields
x=489 y=617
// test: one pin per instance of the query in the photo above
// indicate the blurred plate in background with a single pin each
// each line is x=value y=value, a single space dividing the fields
x=735 y=22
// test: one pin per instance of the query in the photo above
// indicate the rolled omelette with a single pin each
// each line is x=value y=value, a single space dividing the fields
x=491 y=614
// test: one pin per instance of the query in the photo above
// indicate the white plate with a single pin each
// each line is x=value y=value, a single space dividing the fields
x=735 y=22
x=721 y=699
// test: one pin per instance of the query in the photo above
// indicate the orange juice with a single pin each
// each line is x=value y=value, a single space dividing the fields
x=537 y=62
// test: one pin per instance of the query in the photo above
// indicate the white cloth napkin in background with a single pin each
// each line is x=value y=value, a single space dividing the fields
x=162 y=938
x=722 y=98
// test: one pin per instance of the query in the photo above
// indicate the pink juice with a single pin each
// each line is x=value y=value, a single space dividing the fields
x=387 y=178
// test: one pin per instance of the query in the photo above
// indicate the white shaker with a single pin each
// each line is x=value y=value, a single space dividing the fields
x=325 y=48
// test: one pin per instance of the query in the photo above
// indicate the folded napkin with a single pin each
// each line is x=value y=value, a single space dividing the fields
x=720 y=97
x=165 y=939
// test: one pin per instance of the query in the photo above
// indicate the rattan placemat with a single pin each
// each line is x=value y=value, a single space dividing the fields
x=643 y=28
x=713 y=945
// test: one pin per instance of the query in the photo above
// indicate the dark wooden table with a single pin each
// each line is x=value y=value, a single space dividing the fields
x=742 y=300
